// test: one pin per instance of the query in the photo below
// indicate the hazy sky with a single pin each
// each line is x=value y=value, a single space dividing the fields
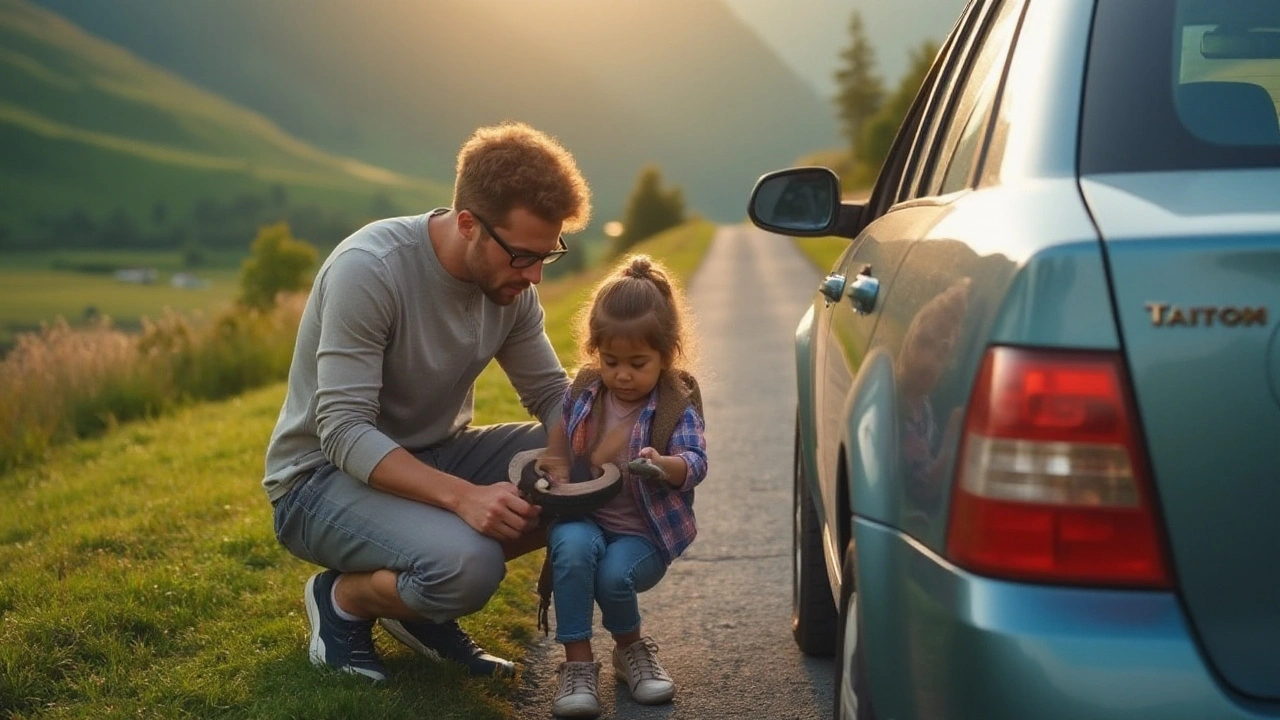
x=809 y=34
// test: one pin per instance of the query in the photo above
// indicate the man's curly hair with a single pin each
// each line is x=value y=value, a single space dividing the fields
x=502 y=167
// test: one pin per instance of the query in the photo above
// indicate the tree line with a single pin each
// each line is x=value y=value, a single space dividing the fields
x=210 y=224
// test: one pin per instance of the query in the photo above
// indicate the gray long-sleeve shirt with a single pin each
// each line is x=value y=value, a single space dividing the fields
x=388 y=350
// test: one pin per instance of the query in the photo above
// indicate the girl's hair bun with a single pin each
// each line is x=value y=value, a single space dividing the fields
x=639 y=268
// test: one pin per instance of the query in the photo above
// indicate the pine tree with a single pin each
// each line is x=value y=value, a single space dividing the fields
x=860 y=90
x=879 y=131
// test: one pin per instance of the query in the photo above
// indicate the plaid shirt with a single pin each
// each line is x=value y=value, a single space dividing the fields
x=667 y=510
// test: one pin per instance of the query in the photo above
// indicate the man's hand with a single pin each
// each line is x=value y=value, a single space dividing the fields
x=498 y=511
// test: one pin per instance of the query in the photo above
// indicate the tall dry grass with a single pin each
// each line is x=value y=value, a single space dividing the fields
x=63 y=383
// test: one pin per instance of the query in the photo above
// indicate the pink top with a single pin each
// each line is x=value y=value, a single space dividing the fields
x=621 y=514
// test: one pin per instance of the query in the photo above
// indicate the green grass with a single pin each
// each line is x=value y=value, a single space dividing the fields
x=141 y=577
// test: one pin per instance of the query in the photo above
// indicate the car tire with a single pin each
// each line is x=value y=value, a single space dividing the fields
x=813 y=610
x=852 y=701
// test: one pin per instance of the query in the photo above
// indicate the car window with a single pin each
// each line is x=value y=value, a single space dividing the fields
x=952 y=60
x=1226 y=90
x=885 y=192
x=890 y=179
x=1192 y=84
x=958 y=151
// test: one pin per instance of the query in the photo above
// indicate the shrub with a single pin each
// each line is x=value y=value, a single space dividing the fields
x=277 y=263
x=49 y=383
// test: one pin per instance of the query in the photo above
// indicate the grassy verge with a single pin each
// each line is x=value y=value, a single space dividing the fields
x=822 y=252
x=141 y=577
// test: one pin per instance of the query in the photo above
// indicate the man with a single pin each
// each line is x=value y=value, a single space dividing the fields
x=373 y=470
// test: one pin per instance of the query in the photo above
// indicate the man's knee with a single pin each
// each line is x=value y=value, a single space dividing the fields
x=465 y=587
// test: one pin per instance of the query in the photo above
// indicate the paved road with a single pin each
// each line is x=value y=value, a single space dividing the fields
x=722 y=614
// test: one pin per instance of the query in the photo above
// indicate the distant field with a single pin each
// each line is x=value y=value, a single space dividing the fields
x=40 y=287
x=33 y=291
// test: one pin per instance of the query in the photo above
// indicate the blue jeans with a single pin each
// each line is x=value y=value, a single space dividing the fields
x=445 y=568
x=592 y=565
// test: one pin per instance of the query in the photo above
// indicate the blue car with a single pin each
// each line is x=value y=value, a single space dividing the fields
x=1037 y=468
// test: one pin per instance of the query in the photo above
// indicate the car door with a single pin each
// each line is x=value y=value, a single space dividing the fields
x=859 y=426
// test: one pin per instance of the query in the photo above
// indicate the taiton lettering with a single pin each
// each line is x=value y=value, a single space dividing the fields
x=1166 y=315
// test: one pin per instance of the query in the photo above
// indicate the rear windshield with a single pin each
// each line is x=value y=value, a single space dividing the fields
x=1190 y=84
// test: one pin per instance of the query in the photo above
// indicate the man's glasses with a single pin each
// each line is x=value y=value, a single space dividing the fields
x=524 y=259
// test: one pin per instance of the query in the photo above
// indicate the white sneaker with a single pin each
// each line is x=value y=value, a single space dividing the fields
x=577 y=696
x=638 y=667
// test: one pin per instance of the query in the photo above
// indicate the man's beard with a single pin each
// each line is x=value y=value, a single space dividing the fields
x=484 y=276
x=504 y=294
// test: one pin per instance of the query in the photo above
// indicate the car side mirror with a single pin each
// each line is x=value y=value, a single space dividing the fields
x=804 y=202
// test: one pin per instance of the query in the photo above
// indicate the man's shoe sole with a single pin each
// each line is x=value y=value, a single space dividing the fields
x=397 y=630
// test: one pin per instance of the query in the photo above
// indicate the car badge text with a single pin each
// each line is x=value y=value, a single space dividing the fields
x=1167 y=315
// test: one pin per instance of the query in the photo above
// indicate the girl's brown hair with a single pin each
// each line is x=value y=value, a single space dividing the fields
x=512 y=165
x=637 y=300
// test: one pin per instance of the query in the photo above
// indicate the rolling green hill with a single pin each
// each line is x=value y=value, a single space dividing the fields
x=400 y=83
x=92 y=135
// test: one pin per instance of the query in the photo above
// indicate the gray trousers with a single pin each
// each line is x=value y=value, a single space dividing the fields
x=446 y=568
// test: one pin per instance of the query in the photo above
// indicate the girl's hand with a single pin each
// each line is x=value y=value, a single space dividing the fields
x=556 y=469
x=646 y=465
x=652 y=465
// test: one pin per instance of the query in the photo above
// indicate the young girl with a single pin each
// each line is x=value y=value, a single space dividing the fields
x=632 y=405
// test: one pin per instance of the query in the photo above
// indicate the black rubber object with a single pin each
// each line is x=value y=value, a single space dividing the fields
x=579 y=496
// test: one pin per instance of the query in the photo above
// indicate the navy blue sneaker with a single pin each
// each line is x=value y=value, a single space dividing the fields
x=344 y=645
x=448 y=641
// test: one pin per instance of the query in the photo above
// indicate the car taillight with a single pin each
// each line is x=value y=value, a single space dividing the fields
x=1051 y=483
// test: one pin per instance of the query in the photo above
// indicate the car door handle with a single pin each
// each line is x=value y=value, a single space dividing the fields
x=832 y=288
x=863 y=292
